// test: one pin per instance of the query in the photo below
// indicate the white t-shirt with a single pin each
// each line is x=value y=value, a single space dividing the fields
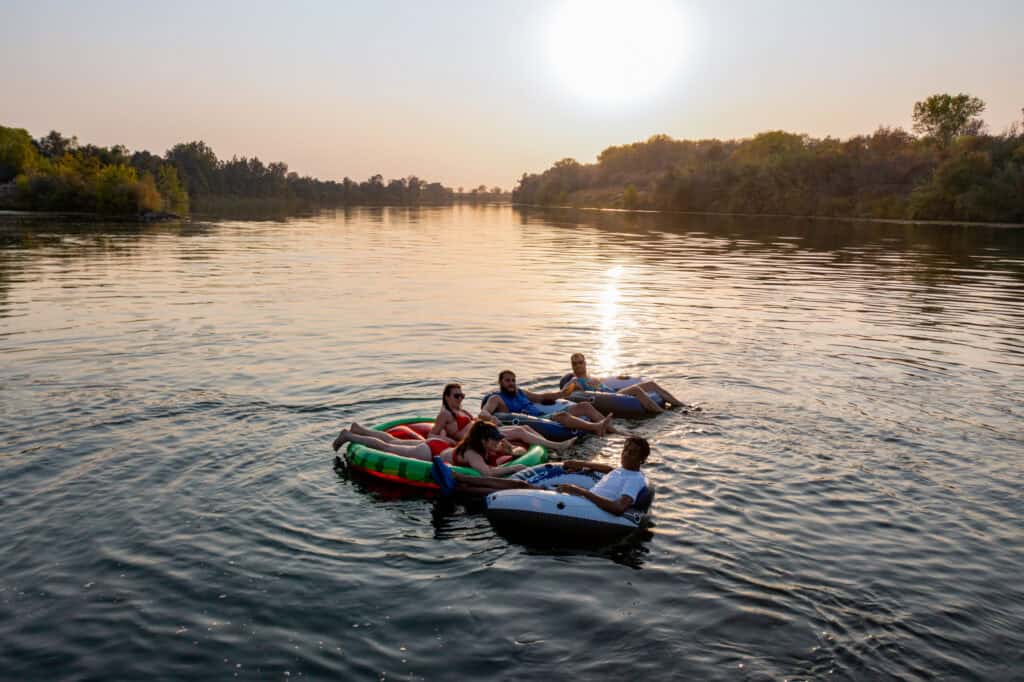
x=619 y=482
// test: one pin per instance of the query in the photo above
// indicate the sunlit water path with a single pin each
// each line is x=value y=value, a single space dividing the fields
x=846 y=505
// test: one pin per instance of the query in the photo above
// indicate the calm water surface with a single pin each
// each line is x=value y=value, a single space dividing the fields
x=846 y=505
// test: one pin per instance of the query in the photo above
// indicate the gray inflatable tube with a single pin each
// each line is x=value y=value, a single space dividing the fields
x=625 y=406
x=545 y=516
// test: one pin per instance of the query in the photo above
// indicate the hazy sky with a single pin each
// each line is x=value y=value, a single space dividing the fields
x=479 y=92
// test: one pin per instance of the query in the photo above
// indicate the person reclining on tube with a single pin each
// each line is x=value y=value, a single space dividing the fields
x=510 y=398
x=582 y=381
x=620 y=487
x=453 y=421
x=481 y=448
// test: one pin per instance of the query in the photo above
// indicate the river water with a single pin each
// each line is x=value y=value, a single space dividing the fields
x=846 y=504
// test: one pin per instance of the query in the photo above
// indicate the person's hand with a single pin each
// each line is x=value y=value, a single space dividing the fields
x=569 y=489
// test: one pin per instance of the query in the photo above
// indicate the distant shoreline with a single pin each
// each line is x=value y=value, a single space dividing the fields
x=844 y=219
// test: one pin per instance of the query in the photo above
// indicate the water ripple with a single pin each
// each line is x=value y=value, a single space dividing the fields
x=844 y=504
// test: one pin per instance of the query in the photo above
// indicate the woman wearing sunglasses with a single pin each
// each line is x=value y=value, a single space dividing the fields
x=481 y=448
x=452 y=423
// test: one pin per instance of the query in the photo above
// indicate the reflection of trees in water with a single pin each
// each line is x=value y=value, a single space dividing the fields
x=64 y=238
x=88 y=237
x=936 y=253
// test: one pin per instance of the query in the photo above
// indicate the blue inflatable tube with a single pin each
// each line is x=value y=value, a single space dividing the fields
x=548 y=428
x=620 y=405
x=551 y=430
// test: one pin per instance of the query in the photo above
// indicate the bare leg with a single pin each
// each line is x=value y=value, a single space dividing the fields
x=645 y=400
x=414 y=449
x=593 y=414
x=648 y=386
x=585 y=410
x=600 y=427
x=379 y=435
x=528 y=435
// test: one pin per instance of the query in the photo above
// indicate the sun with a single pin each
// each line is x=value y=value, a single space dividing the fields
x=612 y=52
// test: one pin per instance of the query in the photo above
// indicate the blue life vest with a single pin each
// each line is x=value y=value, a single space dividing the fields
x=517 y=403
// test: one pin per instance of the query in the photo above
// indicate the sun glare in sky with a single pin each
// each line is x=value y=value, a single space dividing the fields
x=612 y=52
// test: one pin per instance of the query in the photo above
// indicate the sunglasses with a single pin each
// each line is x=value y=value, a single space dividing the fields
x=458 y=396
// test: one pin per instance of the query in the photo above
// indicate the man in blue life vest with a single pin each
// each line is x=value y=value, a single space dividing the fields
x=620 y=487
x=511 y=398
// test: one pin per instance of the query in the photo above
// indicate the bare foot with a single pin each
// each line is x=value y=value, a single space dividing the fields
x=340 y=440
x=604 y=426
x=357 y=428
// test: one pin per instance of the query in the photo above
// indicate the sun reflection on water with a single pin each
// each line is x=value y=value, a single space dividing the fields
x=608 y=308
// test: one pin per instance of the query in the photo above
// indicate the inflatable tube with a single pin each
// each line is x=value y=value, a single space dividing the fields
x=614 y=383
x=625 y=406
x=551 y=430
x=547 y=516
x=415 y=472
x=619 y=383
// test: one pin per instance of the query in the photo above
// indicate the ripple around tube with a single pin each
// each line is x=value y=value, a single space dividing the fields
x=844 y=506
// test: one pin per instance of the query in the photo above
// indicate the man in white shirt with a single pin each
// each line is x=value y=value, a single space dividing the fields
x=619 y=488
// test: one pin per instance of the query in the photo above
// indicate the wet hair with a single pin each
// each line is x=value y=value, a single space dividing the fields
x=502 y=373
x=574 y=356
x=448 y=388
x=479 y=431
x=641 y=445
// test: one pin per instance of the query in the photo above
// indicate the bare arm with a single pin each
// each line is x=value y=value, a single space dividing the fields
x=572 y=465
x=511 y=450
x=616 y=507
x=441 y=424
x=475 y=460
x=569 y=389
x=542 y=397
x=493 y=404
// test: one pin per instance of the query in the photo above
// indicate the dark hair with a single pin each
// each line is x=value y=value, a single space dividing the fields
x=581 y=356
x=641 y=445
x=479 y=431
x=502 y=373
x=444 y=394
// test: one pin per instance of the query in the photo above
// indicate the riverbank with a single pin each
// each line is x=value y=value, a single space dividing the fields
x=841 y=219
x=972 y=177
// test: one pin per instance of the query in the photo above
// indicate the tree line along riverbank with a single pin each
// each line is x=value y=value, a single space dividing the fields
x=952 y=169
x=56 y=173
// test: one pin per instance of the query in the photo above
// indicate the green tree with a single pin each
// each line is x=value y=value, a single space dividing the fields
x=946 y=117
x=116 y=190
x=147 y=196
x=55 y=145
x=629 y=197
x=174 y=195
x=17 y=153
x=197 y=166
